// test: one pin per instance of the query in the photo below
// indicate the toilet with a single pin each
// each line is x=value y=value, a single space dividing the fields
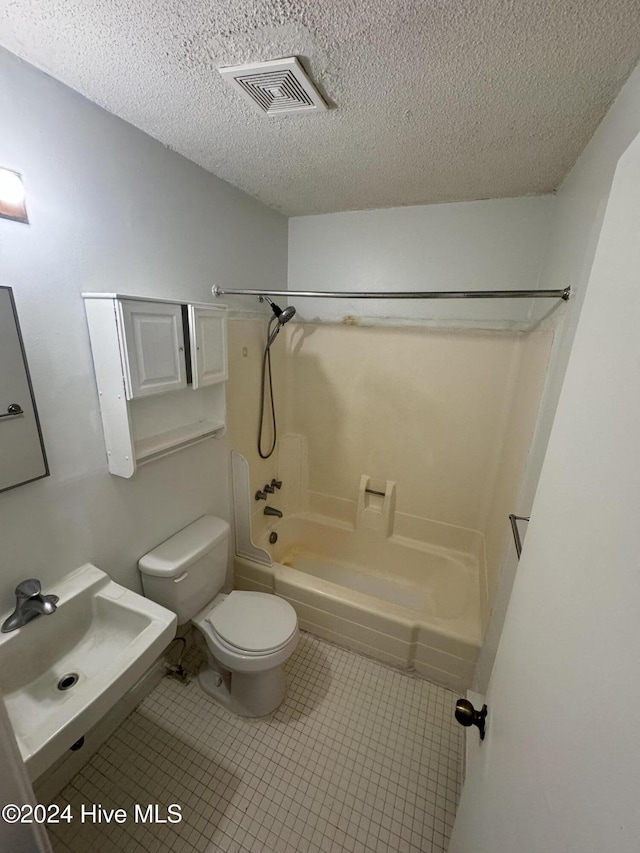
x=247 y=636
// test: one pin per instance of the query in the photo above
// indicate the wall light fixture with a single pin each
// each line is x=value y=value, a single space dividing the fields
x=12 y=201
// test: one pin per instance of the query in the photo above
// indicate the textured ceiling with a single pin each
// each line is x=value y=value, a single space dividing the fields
x=436 y=100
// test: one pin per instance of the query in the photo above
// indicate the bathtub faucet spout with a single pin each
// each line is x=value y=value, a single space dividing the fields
x=271 y=510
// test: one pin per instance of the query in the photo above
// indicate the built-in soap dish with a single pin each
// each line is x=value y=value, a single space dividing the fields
x=376 y=508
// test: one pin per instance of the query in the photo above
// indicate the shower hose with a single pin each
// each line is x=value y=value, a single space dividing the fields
x=266 y=372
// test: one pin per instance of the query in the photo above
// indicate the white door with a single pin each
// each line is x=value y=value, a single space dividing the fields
x=153 y=338
x=208 y=339
x=559 y=770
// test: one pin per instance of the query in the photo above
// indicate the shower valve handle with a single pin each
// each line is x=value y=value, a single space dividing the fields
x=276 y=484
x=261 y=496
x=268 y=489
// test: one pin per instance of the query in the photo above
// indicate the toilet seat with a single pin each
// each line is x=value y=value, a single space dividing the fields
x=253 y=623
x=251 y=618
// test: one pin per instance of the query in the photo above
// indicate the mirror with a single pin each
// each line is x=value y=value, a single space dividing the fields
x=22 y=454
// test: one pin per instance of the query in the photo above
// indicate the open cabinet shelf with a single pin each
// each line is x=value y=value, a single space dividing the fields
x=173 y=439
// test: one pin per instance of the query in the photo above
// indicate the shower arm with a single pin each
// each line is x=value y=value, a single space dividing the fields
x=563 y=294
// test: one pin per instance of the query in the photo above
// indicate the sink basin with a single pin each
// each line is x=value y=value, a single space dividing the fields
x=102 y=633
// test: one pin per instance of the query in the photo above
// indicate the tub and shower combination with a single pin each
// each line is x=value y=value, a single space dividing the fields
x=414 y=592
x=376 y=582
x=400 y=600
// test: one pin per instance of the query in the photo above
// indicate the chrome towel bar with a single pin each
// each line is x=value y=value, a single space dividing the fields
x=13 y=410
x=514 y=519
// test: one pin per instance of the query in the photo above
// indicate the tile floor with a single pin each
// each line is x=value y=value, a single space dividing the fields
x=358 y=758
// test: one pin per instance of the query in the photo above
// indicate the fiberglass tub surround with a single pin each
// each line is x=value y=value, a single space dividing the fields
x=439 y=422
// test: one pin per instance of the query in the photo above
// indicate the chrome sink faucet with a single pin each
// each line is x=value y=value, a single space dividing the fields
x=30 y=604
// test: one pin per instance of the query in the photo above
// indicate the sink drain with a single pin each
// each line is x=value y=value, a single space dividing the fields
x=67 y=681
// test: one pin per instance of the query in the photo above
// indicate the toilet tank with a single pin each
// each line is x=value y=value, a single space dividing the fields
x=188 y=570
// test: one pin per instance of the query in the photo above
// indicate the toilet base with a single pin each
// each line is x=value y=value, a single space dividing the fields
x=253 y=694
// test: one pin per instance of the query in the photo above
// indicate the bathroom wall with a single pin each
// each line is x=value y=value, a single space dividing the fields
x=494 y=244
x=579 y=211
x=110 y=210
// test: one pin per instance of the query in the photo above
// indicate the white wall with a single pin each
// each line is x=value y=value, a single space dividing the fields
x=480 y=245
x=110 y=209
x=577 y=220
x=559 y=770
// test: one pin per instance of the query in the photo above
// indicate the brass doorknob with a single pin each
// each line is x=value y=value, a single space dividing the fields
x=467 y=715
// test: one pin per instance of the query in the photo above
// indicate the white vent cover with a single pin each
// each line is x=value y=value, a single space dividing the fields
x=275 y=87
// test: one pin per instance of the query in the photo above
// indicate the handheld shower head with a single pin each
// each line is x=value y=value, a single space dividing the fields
x=286 y=315
x=282 y=316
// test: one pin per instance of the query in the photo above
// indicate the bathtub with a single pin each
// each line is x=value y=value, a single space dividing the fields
x=405 y=602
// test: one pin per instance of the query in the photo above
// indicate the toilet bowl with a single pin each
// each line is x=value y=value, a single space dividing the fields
x=250 y=635
x=246 y=636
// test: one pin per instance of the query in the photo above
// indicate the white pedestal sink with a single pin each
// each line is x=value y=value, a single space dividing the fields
x=102 y=633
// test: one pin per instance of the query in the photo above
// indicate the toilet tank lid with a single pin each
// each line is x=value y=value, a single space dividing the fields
x=187 y=546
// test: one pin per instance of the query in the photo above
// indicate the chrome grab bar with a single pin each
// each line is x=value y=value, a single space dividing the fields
x=514 y=519
x=13 y=410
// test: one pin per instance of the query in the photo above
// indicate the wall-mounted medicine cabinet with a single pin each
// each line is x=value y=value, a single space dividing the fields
x=160 y=368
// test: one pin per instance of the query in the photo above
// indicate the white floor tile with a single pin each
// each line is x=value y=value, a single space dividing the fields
x=359 y=757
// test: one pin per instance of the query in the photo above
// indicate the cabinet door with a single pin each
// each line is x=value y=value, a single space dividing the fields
x=208 y=340
x=153 y=341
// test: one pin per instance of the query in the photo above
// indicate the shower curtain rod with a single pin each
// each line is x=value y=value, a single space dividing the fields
x=404 y=294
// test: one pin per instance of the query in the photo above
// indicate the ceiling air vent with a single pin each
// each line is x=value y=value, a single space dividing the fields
x=275 y=87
